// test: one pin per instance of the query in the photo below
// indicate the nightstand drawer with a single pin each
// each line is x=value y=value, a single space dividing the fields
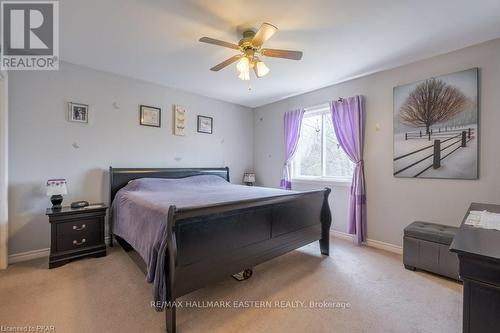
x=75 y=229
x=82 y=240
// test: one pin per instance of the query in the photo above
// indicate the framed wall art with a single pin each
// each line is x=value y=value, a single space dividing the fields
x=205 y=124
x=150 y=116
x=179 y=120
x=78 y=113
x=436 y=127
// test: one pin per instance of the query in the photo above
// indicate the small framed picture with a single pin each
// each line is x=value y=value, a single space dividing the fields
x=205 y=124
x=150 y=116
x=78 y=113
x=179 y=120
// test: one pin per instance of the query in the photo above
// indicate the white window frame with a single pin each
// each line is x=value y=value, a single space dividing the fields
x=323 y=109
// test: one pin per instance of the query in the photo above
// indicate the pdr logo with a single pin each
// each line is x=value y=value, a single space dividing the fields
x=30 y=35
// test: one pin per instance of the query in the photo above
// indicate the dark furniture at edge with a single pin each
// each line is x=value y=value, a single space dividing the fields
x=76 y=233
x=479 y=255
x=209 y=243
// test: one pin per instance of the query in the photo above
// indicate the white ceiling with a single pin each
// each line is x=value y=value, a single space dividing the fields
x=157 y=40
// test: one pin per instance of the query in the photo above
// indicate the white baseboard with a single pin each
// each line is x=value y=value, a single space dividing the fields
x=340 y=234
x=44 y=253
x=35 y=254
x=370 y=242
x=29 y=255
x=384 y=246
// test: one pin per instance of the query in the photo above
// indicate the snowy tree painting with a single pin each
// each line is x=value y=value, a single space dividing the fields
x=436 y=127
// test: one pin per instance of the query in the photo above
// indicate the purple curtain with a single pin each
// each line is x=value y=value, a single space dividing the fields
x=348 y=117
x=293 y=120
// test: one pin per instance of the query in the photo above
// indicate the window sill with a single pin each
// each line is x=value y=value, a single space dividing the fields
x=339 y=182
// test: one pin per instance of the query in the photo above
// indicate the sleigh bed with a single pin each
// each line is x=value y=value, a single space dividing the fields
x=192 y=227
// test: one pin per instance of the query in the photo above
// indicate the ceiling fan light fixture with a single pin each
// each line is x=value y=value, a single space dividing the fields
x=244 y=75
x=243 y=65
x=250 y=47
x=261 y=68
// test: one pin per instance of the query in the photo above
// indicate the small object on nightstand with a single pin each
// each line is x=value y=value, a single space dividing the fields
x=76 y=233
x=56 y=188
x=79 y=204
x=249 y=178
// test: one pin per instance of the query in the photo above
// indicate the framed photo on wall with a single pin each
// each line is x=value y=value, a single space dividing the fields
x=150 y=116
x=205 y=124
x=78 y=113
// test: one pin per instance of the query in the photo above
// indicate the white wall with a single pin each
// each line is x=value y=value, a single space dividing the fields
x=3 y=168
x=41 y=140
x=392 y=203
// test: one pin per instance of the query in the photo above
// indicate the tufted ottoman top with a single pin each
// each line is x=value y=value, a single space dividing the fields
x=431 y=232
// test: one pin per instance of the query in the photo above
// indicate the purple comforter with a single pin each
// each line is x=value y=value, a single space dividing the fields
x=140 y=212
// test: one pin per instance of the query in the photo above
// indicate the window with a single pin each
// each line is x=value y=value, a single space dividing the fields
x=318 y=154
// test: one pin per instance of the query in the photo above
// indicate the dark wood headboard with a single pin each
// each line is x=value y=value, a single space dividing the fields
x=119 y=177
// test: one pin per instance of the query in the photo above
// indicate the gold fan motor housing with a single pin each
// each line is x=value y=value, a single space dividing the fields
x=246 y=43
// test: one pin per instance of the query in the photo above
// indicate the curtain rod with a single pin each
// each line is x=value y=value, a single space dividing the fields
x=340 y=99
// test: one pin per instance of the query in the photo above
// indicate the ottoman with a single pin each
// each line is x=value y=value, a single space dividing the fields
x=426 y=247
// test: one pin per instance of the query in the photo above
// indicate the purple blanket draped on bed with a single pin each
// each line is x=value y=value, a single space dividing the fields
x=140 y=212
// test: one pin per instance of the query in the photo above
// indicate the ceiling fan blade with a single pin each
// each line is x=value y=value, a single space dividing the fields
x=265 y=32
x=219 y=42
x=286 y=54
x=225 y=63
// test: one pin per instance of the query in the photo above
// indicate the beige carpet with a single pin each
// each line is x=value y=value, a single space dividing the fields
x=110 y=295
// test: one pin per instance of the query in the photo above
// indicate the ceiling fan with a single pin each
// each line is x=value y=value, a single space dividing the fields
x=250 y=47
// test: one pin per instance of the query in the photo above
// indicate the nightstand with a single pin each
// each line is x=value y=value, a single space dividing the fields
x=76 y=233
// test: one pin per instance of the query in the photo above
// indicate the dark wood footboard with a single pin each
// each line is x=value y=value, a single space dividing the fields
x=208 y=243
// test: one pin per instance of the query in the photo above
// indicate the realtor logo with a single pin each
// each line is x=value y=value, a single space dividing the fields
x=30 y=35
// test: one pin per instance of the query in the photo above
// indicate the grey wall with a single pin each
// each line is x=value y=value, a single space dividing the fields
x=338 y=200
x=4 y=219
x=41 y=140
x=392 y=203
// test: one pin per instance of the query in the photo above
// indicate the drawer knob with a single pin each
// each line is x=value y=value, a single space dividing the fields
x=75 y=242
x=81 y=228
